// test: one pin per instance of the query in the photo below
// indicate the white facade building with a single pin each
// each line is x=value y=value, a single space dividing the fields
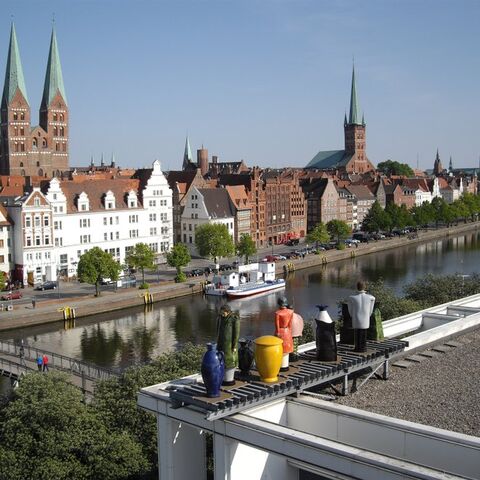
x=112 y=214
x=206 y=206
x=34 y=255
x=6 y=242
x=422 y=196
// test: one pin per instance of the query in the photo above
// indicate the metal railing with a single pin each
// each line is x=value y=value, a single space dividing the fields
x=13 y=369
x=60 y=362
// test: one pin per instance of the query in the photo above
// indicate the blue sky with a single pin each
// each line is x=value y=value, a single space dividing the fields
x=264 y=81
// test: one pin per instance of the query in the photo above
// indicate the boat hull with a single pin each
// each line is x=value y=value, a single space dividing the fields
x=248 y=292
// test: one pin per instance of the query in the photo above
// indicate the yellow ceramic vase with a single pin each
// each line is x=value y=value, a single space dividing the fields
x=268 y=357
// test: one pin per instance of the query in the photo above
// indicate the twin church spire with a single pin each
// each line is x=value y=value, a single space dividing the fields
x=40 y=150
x=14 y=79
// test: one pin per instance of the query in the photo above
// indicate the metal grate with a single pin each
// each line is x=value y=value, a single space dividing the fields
x=305 y=373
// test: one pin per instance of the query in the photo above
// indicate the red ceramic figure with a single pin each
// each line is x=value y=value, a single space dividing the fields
x=283 y=329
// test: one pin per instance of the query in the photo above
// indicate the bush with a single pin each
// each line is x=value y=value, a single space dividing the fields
x=341 y=246
x=144 y=286
x=308 y=334
x=180 y=277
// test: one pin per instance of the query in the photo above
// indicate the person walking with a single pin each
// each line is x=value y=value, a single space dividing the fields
x=45 y=362
x=39 y=362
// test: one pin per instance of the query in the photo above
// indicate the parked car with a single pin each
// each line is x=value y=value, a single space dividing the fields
x=48 y=285
x=127 y=281
x=106 y=281
x=15 y=295
x=280 y=257
x=269 y=258
x=292 y=242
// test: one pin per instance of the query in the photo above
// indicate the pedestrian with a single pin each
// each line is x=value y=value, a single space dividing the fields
x=34 y=302
x=45 y=362
x=39 y=362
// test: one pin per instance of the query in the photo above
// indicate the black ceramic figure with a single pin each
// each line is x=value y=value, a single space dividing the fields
x=245 y=356
x=325 y=336
x=213 y=367
x=346 y=330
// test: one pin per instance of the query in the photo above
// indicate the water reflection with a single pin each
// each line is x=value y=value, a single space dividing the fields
x=136 y=336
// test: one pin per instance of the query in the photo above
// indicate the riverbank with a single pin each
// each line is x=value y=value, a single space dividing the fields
x=49 y=311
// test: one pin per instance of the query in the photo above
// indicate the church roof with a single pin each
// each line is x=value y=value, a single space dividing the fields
x=53 y=77
x=354 y=117
x=329 y=159
x=14 y=73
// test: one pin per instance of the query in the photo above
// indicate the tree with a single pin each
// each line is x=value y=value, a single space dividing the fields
x=423 y=214
x=338 y=229
x=179 y=257
x=246 y=246
x=141 y=256
x=47 y=431
x=95 y=265
x=392 y=167
x=319 y=234
x=213 y=240
x=376 y=219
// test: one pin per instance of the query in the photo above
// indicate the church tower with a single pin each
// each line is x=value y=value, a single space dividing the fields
x=355 y=138
x=54 y=110
x=14 y=114
x=437 y=165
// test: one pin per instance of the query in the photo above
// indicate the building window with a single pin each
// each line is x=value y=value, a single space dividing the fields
x=37 y=221
x=44 y=143
x=153 y=231
x=105 y=236
x=36 y=202
x=46 y=221
x=37 y=241
x=105 y=220
x=152 y=203
x=47 y=240
x=152 y=217
x=28 y=222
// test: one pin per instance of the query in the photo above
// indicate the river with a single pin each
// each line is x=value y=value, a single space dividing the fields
x=135 y=336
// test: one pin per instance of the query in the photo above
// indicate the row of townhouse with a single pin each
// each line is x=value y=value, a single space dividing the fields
x=52 y=225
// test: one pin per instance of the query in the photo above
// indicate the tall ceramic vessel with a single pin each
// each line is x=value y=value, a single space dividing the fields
x=213 y=367
x=268 y=357
x=245 y=356
x=325 y=336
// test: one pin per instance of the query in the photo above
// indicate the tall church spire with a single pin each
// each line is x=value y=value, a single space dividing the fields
x=187 y=155
x=14 y=73
x=53 y=77
x=354 y=118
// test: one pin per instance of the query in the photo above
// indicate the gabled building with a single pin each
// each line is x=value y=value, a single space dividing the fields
x=206 y=206
x=33 y=237
x=362 y=199
x=113 y=214
x=6 y=241
x=28 y=150
x=239 y=198
x=353 y=158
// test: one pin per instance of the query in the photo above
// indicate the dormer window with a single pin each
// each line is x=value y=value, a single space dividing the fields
x=109 y=200
x=36 y=202
x=132 y=201
x=83 y=203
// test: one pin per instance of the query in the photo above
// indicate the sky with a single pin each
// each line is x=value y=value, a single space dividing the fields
x=263 y=81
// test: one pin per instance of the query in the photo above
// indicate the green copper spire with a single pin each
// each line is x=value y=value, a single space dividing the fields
x=53 y=77
x=14 y=74
x=354 y=118
x=187 y=155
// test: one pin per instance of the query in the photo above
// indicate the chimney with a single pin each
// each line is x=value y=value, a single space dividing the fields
x=202 y=160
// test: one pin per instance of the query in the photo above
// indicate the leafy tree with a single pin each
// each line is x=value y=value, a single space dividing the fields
x=460 y=210
x=431 y=290
x=3 y=279
x=213 y=240
x=338 y=229
x=47 y=432
x=116 y=399
x=95 y=265
x=376 y=219
x=422 y=214
x=473 y=204
x=392 y=167
x=246 y=246
x=319 y=234
x=141 y=256
x=179 y=257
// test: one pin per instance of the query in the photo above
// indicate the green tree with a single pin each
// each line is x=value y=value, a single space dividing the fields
x=116 y=399
x=473 y=204
x=213 y=240
x=423 y=214
x=338 y=229
x=179 y=257
x=246 y=246
x=95 y=265
x=48 y=432
x=392 y=167
x=376 y=219
x=319 y=234
x=141 y=256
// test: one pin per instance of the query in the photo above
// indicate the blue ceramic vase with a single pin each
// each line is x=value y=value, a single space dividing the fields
x=213 y=367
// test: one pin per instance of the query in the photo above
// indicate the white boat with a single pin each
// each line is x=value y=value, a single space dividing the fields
x=255 y=288
x=251 y=279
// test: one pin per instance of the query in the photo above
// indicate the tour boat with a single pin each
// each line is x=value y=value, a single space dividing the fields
x=251 y=279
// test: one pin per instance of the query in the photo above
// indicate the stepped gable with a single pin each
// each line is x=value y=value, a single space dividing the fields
x=96 y=190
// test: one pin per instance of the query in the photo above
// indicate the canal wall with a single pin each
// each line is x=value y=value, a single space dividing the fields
x=50 y=311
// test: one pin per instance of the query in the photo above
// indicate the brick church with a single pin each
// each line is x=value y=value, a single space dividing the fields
x=28 y=150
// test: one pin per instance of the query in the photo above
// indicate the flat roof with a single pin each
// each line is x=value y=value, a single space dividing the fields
x=442 y=391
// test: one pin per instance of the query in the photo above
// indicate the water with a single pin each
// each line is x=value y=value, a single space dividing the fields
x=135 y=336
